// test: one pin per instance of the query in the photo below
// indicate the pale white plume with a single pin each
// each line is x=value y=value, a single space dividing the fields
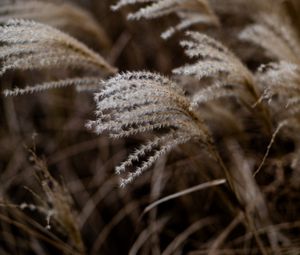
x=229 y=76
x=28 y=45
x=138 y=102
x=275 y=34
x=64 y=16
x=190 y=12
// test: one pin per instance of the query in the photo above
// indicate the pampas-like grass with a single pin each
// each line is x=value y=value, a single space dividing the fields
x=66 y=17
x=279 y=80
x=242 y=111
x=28 y=45
x=190 y=12
x=217 y=62
x=139 y=102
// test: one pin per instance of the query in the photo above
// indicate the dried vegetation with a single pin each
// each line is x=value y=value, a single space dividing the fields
x=215 y=124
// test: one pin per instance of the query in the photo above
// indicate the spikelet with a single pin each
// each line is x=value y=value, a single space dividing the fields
x=190 y=12
x=215 y=61
x=281 y=88
x=138 y=102
x=28 y=45
x=276 y=35
x=58 y=202
x=66 y=17
x=82 y=84
x=123 y=3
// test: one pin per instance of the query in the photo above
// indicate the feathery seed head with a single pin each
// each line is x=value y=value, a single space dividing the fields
x=280 y=81
x=190 y=12
x=63 y=16
x=213 y=59
x=137 y=102
x=275 y=35
x=229 y=76
x=28 y=45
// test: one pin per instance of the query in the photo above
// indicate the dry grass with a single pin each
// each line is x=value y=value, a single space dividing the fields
x=216 y=126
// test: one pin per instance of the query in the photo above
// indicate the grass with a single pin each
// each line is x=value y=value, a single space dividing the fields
x=208 y=135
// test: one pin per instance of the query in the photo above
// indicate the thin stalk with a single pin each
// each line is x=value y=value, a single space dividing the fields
x=231 y=182
x=264 y=113
x=255 y=234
